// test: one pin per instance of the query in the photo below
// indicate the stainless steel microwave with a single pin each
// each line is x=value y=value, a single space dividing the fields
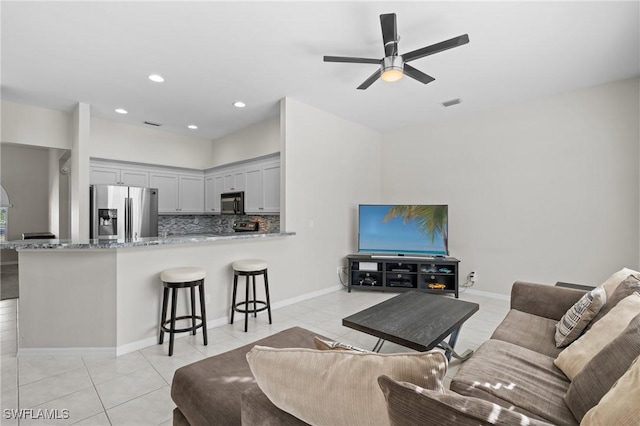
x=232 y=203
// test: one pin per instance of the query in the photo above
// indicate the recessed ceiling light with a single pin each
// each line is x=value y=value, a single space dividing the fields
x=157 y=78
x=121 y=111
x=192 y=126
x=239 y=104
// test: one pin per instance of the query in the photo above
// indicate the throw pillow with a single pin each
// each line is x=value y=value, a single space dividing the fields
x=411 y=405
x=579 y=353
x=620 y=405
x=611 y=283
x=339 y=387
x=327 y=345
x=578 y=316
x=627 y=287
x=599 y=375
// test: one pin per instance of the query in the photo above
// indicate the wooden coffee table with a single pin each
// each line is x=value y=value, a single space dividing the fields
x=416 y=320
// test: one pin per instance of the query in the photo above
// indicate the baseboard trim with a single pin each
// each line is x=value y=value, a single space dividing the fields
x=487 y=294
x=109 y=352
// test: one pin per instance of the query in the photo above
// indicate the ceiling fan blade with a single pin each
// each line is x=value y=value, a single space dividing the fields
x=389 y=34
x=351 y=60
x=368 y=82
x=435 y=48
x=417 y=74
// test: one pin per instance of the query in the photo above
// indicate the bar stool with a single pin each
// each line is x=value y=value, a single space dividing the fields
x=174 y=279
x=250 y=268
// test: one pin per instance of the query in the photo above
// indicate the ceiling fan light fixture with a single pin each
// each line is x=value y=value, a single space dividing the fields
x=392 y=68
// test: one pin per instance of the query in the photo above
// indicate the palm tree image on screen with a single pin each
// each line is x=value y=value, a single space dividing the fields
x=432 y=219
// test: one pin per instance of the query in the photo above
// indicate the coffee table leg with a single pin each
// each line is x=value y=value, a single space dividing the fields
x=378 y=345
x=449 y=347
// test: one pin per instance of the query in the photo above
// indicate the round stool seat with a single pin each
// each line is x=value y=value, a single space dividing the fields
x=182 y=275
x=249 y=265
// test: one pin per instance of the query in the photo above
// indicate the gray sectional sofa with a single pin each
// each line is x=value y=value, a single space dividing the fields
x=514 y=370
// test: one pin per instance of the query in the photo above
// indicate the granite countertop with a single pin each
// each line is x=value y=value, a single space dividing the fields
x=140 y=242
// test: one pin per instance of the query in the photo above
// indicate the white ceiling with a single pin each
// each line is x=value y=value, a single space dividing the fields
x=55 y=54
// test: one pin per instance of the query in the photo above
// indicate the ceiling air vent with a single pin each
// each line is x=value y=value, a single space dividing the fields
x=451 y=102
x=152 y=124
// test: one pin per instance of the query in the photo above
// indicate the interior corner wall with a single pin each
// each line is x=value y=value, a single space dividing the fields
x=253 y=141
x=25 y=176
x=544 y=191
x=331 y=165
x=124 y=142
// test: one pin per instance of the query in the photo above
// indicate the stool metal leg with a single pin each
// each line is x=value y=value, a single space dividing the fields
x=203 y=313
x=246 y=311
x=266 y=289
x=233 y=298
x=193 y=310
x=165 y=299
x=174 y=303
x=255 y=296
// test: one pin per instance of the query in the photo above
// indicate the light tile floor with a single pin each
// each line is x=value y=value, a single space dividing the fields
x=134 y=389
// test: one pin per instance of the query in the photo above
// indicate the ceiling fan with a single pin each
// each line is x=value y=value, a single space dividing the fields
x=394 y=66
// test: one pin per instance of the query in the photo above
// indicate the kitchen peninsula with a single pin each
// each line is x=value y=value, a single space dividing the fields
x=103 y=298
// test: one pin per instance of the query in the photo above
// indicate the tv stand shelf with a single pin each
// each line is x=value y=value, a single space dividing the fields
x=402 y=273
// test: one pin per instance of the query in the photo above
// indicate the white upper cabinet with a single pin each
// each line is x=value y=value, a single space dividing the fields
x=213 y=188
x=182 y=191
x=234 y=180
x=118 y=176
x=167 y=184
x=253 y=191
x=191 y=190
x=178 y=193
x=132 y=177
x=262 y=192
x=271 y=187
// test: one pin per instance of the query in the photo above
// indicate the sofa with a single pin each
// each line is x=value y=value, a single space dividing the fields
x=513 y=378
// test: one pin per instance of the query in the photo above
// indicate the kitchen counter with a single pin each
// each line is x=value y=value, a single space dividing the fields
x=140 y=242
x=101 y=298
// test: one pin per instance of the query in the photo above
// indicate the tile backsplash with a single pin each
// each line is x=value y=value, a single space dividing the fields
x=205 y=224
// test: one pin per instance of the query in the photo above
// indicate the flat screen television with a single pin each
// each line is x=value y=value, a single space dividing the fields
x=403 y=229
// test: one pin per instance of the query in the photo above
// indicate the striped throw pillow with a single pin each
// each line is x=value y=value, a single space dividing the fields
x=576 y=319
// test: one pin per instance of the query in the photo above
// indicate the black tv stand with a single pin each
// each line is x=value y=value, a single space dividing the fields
x=403 y=272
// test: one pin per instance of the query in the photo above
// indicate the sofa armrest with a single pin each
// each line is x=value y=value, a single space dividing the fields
x=543 y=300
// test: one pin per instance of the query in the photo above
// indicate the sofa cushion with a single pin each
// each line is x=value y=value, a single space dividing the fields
x=627 y=287
x=611 y=283
x=339 y=387
x=620 y=405
x=257 y=410
x=411 y=405
x=208 y=392
x=529 y=331
x=579 y=353
x=573 y=323
x=516 y=378
x=607 y=366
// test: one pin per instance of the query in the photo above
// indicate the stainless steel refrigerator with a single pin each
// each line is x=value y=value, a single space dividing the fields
x=123 y=212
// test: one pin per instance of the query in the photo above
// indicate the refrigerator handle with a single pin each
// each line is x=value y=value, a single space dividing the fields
x=128 y=224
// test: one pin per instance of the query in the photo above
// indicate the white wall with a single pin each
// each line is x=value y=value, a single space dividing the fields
x=544 y=191
x=331 y=166
x=80 y=151
x=25 y=173
x=251 y=142
x=27 y=125
x=118 y=141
